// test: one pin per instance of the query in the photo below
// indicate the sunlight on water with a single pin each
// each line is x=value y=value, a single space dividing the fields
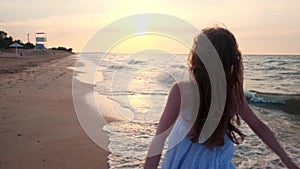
x=140 y=97
x=141 y=84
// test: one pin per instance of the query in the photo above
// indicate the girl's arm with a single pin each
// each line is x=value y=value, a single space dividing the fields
x=264 y=133
x=165 y=125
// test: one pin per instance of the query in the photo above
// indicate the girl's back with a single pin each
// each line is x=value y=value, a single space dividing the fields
x=182 y=152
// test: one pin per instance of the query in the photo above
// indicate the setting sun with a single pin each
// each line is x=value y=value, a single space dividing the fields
x=150 y=41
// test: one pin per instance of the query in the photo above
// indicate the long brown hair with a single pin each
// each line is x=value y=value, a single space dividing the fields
x=230 y=56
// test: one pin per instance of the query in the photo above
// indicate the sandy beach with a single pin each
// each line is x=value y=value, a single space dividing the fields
x=38 y=124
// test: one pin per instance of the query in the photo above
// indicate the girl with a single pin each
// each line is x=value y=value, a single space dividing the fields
x=216 y=152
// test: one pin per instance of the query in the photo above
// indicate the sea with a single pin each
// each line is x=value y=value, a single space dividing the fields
x=139 y=84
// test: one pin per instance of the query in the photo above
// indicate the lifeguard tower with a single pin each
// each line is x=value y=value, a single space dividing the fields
x=40 y=40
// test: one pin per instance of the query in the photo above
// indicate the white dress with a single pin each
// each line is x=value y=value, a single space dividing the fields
x=182 y=153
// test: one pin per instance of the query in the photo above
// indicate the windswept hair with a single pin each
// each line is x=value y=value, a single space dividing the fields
x=230 y=56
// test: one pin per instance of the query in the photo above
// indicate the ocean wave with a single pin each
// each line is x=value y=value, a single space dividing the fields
x=133 y=62
x=256 y=97
x=128 y=93
x=116 y=67
x=273 y=60
x=287 y=102
x=171 y=75
x=179 y=66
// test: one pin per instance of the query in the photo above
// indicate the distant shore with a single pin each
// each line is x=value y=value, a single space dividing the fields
x=38 y=124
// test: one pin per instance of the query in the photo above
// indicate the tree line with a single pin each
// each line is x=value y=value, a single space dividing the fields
x=63 y=49
x=6 y=40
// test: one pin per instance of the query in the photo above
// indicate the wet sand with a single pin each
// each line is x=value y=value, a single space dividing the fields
x=38 y=124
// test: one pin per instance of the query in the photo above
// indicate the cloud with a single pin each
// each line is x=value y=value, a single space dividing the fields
x=71 y=30
x=74 y=22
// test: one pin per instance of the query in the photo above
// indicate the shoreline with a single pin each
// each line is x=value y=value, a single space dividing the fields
x=38 y=124
x=109 y=108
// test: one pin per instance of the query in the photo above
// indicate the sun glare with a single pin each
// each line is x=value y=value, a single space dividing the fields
x=150 y=41
x=140 y=25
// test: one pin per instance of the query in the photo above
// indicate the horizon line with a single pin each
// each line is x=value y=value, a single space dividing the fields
x=246 y=54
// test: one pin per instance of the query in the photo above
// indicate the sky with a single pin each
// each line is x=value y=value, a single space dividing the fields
x=260 y=26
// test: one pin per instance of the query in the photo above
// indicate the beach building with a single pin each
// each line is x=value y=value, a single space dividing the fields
x=40 y=40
